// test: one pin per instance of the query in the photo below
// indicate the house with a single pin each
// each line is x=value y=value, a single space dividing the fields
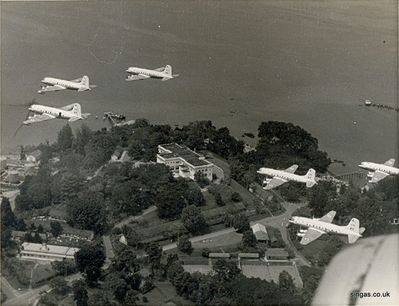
x=120 y=156
x=34 y=156
x=46 y=252
x=184 y=162
x=276 y=254
x=260 y=233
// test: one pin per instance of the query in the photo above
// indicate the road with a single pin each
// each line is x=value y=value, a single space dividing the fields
x=109 y=251
x=278 y=222
x=11 y=195
x=134 y=218
x=7 y=289
x=29 y=297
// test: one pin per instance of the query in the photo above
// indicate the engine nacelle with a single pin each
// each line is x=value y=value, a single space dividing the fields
x=302 y=231
x=266 y=181
x=370 y=174
x=300 y=234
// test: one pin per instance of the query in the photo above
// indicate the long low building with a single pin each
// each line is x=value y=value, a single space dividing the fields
x=184 y=162
x=39 y=251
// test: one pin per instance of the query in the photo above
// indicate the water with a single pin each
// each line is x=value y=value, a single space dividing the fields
x=240 y=63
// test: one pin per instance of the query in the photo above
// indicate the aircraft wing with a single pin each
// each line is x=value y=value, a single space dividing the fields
x=291 y=169
x=311 y=235
x=390 y=162
x=137 y=77
x=328 y=217
x=52 y=88
x=378 y=176
x=274 y=182
x=38 y=118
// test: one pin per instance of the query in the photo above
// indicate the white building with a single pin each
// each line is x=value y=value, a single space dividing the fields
x=39 y=251
x=184 y=162
x=260 y=232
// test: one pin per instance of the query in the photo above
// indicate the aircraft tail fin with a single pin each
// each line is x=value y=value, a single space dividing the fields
x=168 y=70
x=76 y=110
x=310 y=176
x=354 y=227
x=85 y=81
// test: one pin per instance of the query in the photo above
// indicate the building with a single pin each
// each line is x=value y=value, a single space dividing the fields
x=120 y=156
x=276 y=254
x=260 y=233
x=184 y=162
x=43 y=251
x=34 y=156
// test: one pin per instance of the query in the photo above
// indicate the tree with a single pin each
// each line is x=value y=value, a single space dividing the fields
x=56 y=228
x=219 y=199
x=170 y=201
x=184 y=245
x=40 y=229
x=80 y=295
x=7 y=215
x=194 y=195
x=71 y=185
x=241 y=223
x=59 y=285
x=226 y=270
x=154 y=252
x=83 y=136
x=117 y=285
x=285 y=282
x=131 y=236
x=249 y=239
x=89 y=260
x=65 y=138
x=64 y=267
x=193 y=220
x=130 y=299
x=100 y=298
x=236 y=197
x=88 y=212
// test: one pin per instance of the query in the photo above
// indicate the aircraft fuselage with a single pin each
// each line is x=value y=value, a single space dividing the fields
x=283 y=175
x=148 y=72
x=323 y=227
x=379 y=167
x=52 y=111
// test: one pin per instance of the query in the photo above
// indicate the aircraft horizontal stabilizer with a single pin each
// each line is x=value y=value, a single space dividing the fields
x=352 y=238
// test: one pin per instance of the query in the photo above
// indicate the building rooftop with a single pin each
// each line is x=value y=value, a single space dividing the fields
x=176 y=150
x=248 y=255
x=49 y=249
x=276 y=252
x=219 y=255
x=260 y=232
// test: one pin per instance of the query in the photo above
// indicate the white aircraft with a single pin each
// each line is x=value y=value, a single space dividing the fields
x=163 y=73
x=71 y=112
x=318 y=227
x=377 y=172
x=53 y=84
x=280 y=177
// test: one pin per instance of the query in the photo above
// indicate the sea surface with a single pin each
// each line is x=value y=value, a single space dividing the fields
x=240 y=63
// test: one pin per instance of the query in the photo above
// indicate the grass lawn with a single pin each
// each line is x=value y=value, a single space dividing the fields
x=17 y=272
x=218 y=243
x=163 y=293
x=42 y=273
